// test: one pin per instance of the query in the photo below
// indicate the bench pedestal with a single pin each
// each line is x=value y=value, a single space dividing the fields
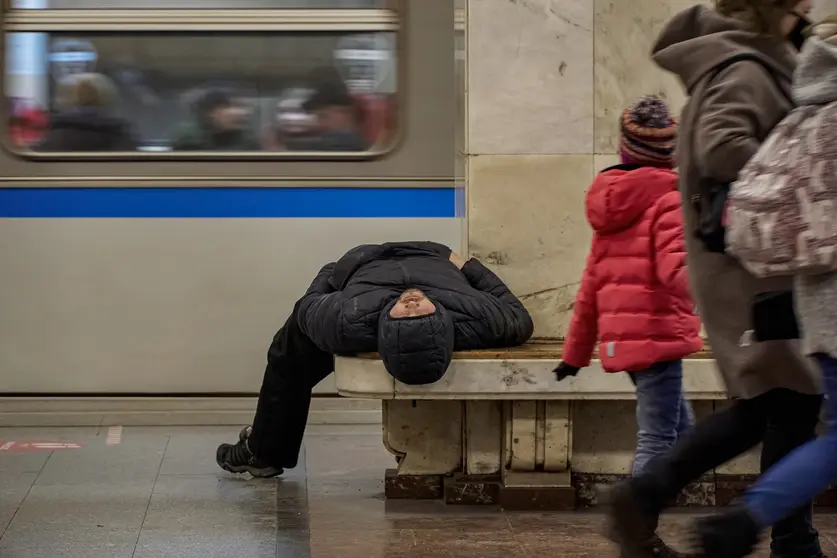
x=512 y=453
x=478 y=437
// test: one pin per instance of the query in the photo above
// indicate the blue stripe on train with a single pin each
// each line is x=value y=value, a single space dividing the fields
x=169 y=203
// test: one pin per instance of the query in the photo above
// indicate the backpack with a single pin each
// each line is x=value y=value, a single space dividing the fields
x=781 y=215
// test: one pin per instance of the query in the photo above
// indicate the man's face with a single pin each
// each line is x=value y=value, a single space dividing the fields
x=333 y=118
x=66 y=69
x=411 y=304
x=292 y=120
x=230 y=117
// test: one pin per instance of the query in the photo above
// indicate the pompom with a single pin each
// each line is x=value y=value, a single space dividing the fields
x=651 y=112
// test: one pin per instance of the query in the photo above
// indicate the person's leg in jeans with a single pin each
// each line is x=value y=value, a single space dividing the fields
x=636 y=504
x=781 y=492
x=659 y=410
x=687 y=416
x=294 y=366
x=662 y=413
x=791 y=422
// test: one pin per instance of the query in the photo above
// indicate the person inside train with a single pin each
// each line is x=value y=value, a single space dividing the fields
x=219 y=123
x=28 y=122
x=412 y=302
x=291 y=121
x=339 y=117
x=85 y=119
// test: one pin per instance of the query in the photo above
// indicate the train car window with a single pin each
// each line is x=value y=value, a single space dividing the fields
x=289 y=83
x=236 y=92
x=195 y=4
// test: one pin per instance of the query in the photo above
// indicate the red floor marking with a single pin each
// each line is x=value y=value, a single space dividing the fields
x=15 y=446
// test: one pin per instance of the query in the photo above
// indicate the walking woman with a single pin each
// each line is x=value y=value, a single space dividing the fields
x=737 y=62
x=809 y=470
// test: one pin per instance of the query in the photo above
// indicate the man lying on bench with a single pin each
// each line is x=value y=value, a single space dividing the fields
x=413 y=302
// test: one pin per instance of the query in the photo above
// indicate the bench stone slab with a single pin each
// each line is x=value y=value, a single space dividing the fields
x=512 y=379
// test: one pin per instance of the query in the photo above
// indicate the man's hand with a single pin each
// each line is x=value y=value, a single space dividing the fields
x=456 y=259
x=565 y=370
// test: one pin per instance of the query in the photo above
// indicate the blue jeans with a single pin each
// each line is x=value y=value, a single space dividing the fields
x=663 y=414
x=806 y=472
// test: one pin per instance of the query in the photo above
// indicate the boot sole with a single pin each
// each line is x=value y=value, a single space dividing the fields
x=252 y=471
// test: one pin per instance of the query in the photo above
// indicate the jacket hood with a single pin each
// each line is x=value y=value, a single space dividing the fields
x=621 y=194
x=815 y=79
x=698 y=39
x=416 y=351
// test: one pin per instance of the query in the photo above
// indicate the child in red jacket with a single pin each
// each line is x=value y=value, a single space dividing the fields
x=634 y=296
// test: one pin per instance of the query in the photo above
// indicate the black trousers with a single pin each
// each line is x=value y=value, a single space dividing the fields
x=781 y=419
x=294 y=366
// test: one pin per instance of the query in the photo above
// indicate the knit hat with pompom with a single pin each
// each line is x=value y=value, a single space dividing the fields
x=649 y=134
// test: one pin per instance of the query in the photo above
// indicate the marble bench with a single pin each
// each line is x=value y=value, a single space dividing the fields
x=498 y=428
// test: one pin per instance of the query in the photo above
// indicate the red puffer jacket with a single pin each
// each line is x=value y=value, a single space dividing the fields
x=634 y=296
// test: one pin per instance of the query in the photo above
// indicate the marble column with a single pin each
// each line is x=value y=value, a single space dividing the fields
x=530 y=147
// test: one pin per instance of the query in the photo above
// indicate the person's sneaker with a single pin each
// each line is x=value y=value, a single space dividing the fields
x=237 y=458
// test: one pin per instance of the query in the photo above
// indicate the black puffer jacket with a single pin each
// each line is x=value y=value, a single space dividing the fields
x=343 y=307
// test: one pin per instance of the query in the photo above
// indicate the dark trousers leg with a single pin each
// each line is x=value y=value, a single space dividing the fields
x=294 y=366
x=712 y=442
x=791 y=421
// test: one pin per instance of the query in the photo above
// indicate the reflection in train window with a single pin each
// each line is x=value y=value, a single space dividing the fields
x=194 y=4
x=234 y=92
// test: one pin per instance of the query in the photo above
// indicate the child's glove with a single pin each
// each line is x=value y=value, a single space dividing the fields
x=565 y=370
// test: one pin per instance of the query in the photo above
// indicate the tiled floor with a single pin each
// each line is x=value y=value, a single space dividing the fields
x=159 y=493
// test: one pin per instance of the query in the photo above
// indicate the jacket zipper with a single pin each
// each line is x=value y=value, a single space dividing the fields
x=405 y=274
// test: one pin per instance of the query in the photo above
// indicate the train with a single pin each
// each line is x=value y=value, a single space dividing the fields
x=161 y=271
